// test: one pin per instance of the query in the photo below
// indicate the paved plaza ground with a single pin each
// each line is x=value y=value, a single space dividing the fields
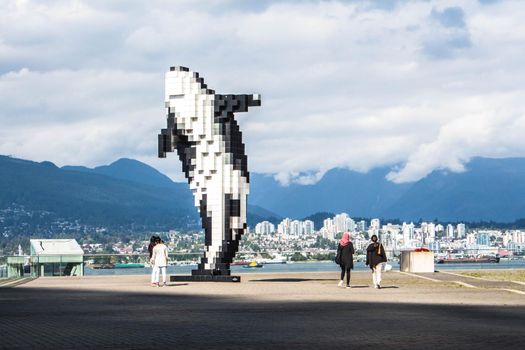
x=264 y=311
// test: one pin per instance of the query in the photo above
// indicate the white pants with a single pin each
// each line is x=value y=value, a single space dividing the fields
x=155 y=274
x=376 y=274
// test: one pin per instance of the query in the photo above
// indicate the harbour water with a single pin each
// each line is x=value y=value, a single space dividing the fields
x=304 y=267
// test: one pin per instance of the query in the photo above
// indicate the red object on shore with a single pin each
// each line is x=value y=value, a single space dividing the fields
x=422 y=250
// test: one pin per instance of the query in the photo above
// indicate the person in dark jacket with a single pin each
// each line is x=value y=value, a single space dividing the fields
x=345 y=254
x=375 y=258
x=152 y=243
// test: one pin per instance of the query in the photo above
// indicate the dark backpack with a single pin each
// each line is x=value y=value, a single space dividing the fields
x=338 y=256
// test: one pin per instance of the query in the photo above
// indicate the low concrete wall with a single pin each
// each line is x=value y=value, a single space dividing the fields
x=412 y=261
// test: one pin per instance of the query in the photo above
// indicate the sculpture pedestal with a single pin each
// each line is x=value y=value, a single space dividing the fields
x=412 y=261
x=205 y=278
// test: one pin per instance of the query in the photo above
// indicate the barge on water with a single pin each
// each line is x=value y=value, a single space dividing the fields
x=469 y=260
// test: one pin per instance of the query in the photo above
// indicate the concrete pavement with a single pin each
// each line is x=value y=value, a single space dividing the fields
x=284 y=311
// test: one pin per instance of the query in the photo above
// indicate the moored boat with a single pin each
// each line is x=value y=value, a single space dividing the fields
x=240 y=262
x=128 y=265
x=469 y=260
x=252 y=265
x=101 y=266
x=275 y=262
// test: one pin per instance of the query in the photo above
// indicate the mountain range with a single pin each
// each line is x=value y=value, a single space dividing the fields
x=125 y=195
x=489 y=189
x=128 y=193
x=93 y=198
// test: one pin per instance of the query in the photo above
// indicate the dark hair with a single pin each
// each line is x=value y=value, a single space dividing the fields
x=157 y=240
x=152 y=239
x=372 y=238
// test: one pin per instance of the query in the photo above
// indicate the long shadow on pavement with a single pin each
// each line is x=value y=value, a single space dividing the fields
x=75 y=319
x=291 y=279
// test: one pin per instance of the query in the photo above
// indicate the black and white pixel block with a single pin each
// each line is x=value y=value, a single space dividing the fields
x=203 y=130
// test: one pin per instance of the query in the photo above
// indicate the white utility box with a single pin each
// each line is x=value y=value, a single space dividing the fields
x=416 y=261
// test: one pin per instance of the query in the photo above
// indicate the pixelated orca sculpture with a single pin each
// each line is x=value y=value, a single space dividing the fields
x=203 y=130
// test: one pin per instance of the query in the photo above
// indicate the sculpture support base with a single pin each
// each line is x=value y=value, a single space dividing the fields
x=205 y=278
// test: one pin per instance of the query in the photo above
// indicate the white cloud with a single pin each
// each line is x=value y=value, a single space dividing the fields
x=422 y=84
x=483 y=125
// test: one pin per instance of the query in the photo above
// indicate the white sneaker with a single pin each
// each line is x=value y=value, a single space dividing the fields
x=376 y=286
x=347 y=286
x=340 y=283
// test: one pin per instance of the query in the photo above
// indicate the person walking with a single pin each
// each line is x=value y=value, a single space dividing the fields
x=375 y=258
x=345 y=254
x=159 y=260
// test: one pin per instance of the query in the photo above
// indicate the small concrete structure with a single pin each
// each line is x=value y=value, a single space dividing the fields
x=56 y=257
x=416 y=261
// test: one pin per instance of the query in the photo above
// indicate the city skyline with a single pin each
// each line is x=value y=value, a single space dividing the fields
x=433 y=235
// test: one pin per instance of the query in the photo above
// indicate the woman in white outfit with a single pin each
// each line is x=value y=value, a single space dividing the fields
x=159 y=260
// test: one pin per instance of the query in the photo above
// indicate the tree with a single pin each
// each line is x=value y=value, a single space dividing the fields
x=298 y=257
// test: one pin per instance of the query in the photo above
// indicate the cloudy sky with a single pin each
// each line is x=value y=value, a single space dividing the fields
x=415 y=85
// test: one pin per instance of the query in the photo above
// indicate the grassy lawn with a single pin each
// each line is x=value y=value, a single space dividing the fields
x=504 y=275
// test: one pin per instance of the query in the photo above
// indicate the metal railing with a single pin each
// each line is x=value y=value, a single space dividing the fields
x=11 y=266
x=100 y=260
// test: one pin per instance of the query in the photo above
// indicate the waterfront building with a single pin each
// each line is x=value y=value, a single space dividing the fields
x=424 y=228
x=408 y=234
x=295 y=228
x=518 y=237
x=264 y=228
x=284 y=227
x=340 y=222
x=450 y=231
x=431 y=230
x=471 y=240
x=434 y=246
x=427 y=232
x=343 y=223
x=329 y=228
x=328 y=234
x=351 y=225
x=391 y=229
x=374 y=227
x=308 y=227
x=388 y=240
x=506 y=238
x=360 y=244
x=461 y=230
x=56 y=257
x=428 y=239
x=361 y=226
x=375 y=224
x=483 y=239
x=328 y=224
